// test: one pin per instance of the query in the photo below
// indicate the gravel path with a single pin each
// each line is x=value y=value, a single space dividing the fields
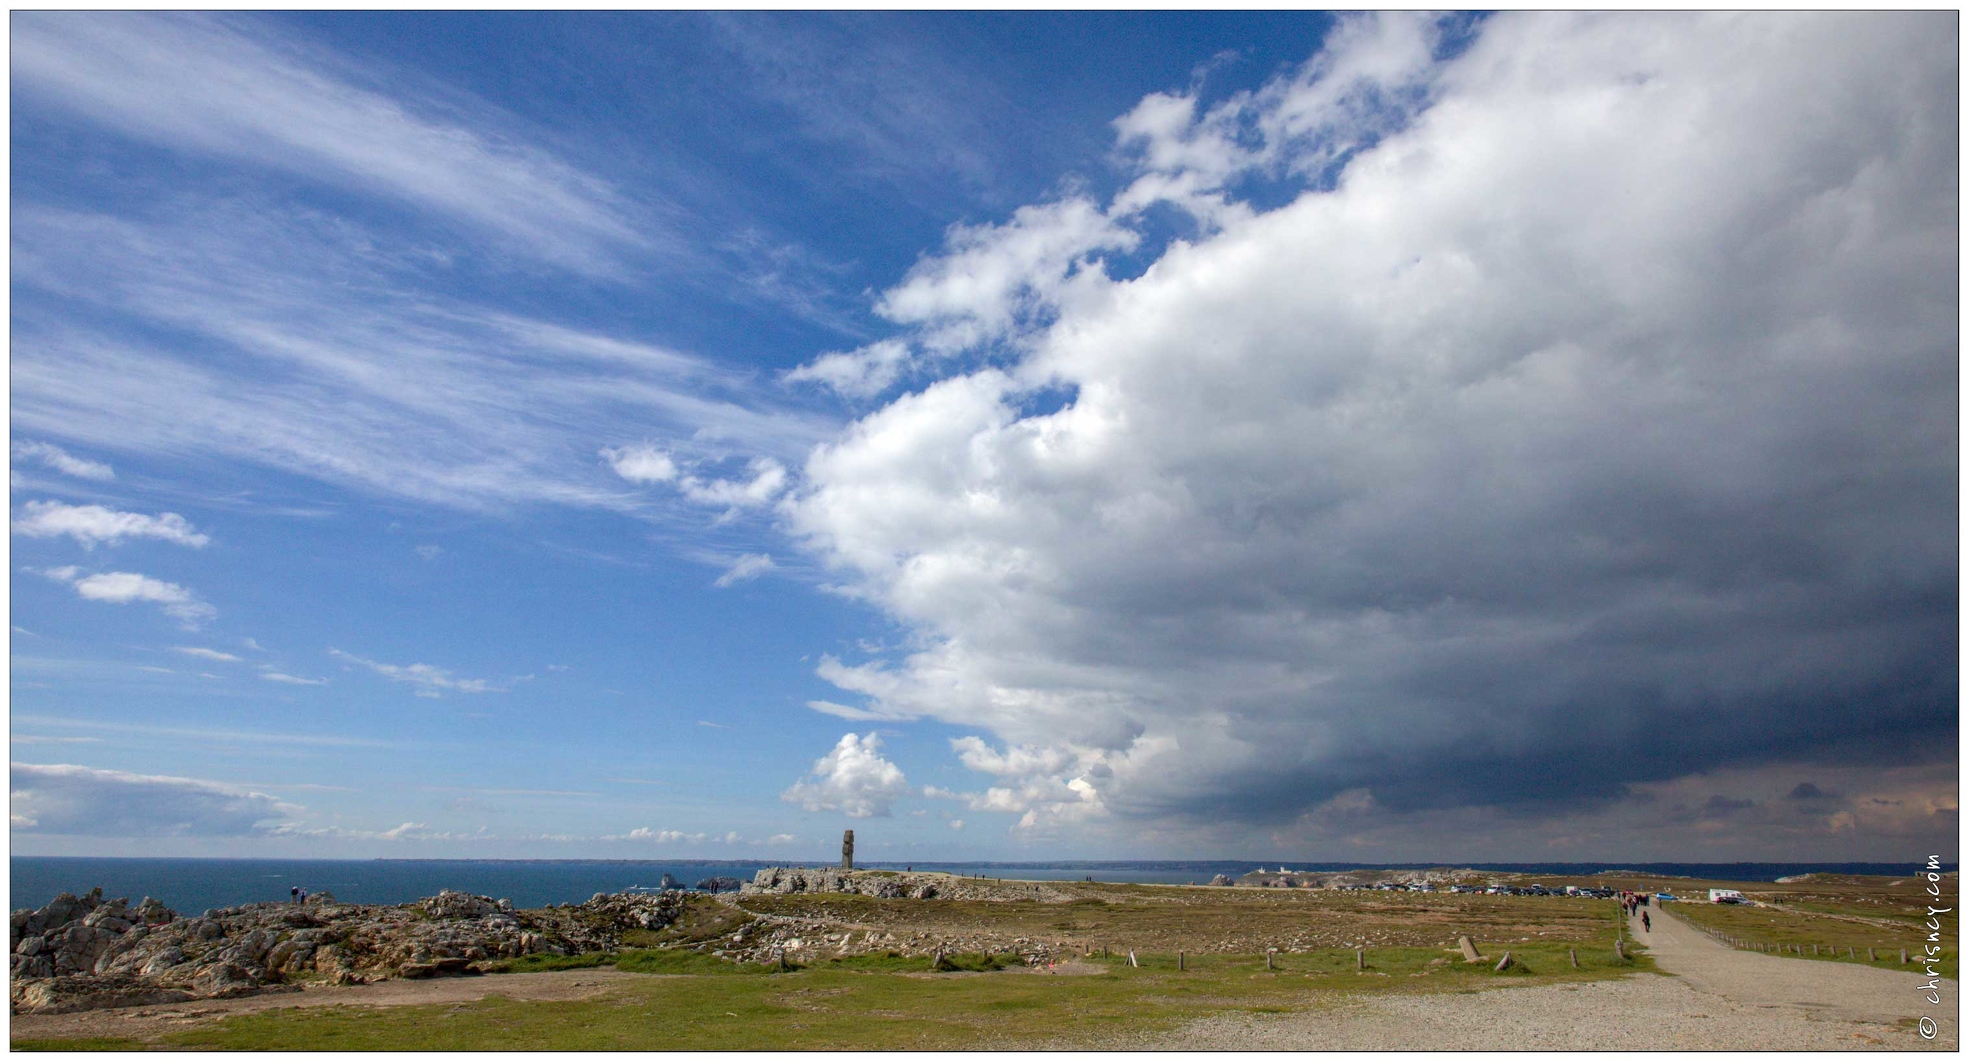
x=1718 y=998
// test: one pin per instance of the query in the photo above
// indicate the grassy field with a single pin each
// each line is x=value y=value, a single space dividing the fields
x=888 y=1002
x=1211 y=921
x=888 y=997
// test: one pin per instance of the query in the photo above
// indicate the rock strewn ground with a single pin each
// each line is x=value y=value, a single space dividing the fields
x=804 y=939
x=85 y=952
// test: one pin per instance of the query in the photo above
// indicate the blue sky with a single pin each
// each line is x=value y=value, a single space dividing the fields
x=1007 y=434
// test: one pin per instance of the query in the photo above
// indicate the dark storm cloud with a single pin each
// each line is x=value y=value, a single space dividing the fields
x=1597 y=429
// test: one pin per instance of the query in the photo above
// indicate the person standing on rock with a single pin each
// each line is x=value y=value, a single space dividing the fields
x=295 y=893
x=304 y=897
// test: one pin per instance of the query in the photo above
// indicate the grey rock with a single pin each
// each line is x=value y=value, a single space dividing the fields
x=223 y=980
x=163 y=961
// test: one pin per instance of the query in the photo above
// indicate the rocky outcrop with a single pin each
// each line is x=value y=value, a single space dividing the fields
x=884 y=885
x=898 y=885
x=79 y=953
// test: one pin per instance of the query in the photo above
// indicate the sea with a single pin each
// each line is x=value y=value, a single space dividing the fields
x=190 y=886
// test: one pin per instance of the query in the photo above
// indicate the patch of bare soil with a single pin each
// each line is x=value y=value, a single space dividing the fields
x=143 y=1023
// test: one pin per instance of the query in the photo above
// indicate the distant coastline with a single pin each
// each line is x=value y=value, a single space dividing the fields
x=193 y=885
x=1740 y=871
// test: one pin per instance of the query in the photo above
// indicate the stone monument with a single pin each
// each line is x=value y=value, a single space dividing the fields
x=848 y=850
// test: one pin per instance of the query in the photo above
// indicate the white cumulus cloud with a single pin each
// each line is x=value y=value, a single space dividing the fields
x=768 y=480
x=858 y=373
x=1513 y=429
x=644 y=833
x=641 y=464
x=853 y=779
x=93 y=525
x=122 y=588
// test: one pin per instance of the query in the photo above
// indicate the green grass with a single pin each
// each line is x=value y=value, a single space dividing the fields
x=889 y=1002
x=540 y=963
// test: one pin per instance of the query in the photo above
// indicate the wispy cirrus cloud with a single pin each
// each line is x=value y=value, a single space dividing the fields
x=51 y=456
x=337 y=344
x=285 y=679
x=429 y=681
x=315 y=357
x=225 y=87
x=206 y=654
x=745 y=568
x=207 y=735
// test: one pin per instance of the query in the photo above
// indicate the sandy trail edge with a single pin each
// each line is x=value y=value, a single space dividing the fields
x=143 y=1023
x=1718 y=999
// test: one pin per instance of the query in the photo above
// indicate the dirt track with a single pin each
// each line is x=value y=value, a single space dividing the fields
x=1717 y=998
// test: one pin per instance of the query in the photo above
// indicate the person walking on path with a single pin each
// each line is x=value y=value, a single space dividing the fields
x=1645 y=928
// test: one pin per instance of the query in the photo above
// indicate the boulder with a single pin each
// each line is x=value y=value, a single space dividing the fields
x=460 y=905
x=223 y=980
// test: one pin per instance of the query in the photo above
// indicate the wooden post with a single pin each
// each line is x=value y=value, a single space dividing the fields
x=1360 y=958
x=1573 y=954
x=1620 y=950
x=1179 y=960
x=1131 y=960
x=1871 y=957
x=1268 y=958
x=1815 y=951
x=937 y=959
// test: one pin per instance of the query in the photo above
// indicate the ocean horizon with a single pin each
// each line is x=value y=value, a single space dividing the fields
x=190 y=886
